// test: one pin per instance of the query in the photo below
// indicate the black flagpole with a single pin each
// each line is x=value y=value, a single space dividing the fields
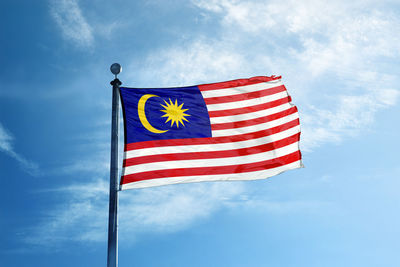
x=112 y=256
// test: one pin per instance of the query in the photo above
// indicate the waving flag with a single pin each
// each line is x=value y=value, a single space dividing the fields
x=243 y=129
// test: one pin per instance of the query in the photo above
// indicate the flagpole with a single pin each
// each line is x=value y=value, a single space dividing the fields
x=112 y=256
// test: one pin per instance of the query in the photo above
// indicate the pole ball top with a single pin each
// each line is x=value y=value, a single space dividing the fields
x=116 y=69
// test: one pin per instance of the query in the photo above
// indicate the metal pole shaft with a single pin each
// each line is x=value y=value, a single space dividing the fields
x=112 y=256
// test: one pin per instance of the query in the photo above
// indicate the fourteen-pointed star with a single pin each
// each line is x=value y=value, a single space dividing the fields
x=174 y=113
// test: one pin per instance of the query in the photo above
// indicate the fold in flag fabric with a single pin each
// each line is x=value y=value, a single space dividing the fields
x=244 y=129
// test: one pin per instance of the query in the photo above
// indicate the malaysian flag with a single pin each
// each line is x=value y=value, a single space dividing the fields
x=243 y=129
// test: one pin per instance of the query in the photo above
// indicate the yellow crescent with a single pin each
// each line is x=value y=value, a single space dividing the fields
x=142 y=115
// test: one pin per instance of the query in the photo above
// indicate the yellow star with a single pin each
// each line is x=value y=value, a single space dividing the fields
x=174 y=113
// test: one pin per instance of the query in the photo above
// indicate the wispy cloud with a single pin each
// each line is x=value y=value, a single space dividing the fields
x=336 y=58
x=6 y=145
x=5 y=139
x=74 y=26
x=165 y=209
x=199 y=61
x=352 y=114
x=82 y=217
x=170 y=208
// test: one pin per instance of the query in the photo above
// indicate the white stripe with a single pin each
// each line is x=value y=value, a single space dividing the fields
x=241 y=89
x=255 y=128
x=211 y=147
x=227 y=161
x=251 y=115
x=256 y=175
x=247 y=103
x=227 y=133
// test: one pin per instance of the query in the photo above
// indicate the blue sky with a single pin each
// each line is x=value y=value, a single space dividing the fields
x=339 y=61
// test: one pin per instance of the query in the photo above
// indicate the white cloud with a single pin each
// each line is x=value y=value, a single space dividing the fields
x=82 y=217
x=280 y=17
x=96 y=164
x=6 y=145
x=200 y=61
x=5 y=139
x=337 y=58
x=172 y=208
x=164 y=209
x=352 y=45
x=68 y=16
x=352 y=114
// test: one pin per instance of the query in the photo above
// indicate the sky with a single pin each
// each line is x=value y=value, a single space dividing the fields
x=339 y=61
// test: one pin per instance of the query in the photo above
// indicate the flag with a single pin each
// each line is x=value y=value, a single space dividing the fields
x=243 y=129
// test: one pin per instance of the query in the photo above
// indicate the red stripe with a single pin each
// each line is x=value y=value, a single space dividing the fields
x=240 y=124
x=212 y=140
x=236 y=83
x=244 y=96
x=213 y=154
x=238 y=111
x=241 y=168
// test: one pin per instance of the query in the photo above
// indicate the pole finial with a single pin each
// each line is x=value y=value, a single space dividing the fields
x=116 y=69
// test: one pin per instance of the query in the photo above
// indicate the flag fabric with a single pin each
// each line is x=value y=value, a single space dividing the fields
x=244 y=129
